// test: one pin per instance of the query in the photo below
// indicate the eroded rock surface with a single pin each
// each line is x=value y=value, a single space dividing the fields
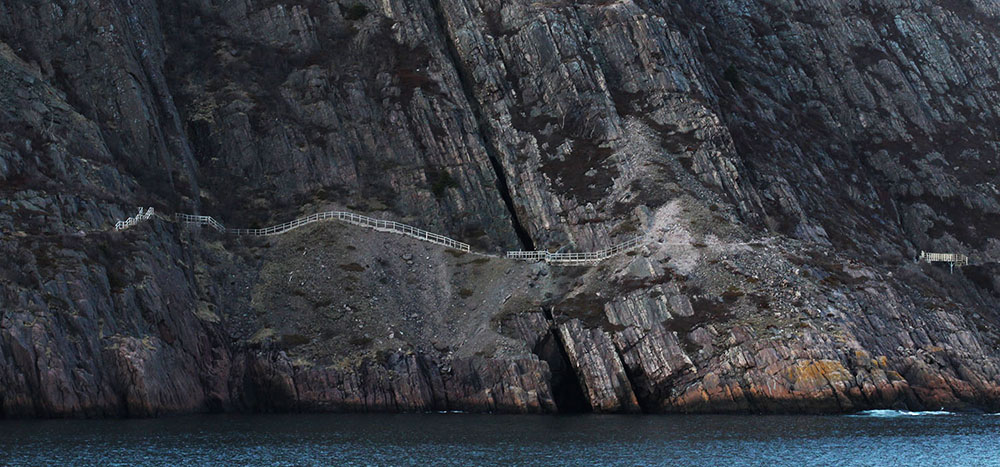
x=785 y=160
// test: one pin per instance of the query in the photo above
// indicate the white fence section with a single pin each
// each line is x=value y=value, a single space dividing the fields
x=343 y=216
x=578 y=258
x=200 y=220
x=141 y=216
x=955 y=259
x=528 y=255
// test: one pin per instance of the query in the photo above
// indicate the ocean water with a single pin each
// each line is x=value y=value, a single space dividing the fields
x=874 y=438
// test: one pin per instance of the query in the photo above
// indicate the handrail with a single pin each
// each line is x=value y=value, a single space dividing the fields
x=413 y=232
x=955 y=258
x=344 y=216
x=580 y=257
x=141 y=216
x=201 y=220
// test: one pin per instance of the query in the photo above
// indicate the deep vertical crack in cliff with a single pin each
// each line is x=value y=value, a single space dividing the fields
x=567 y=392
x=644 y=405
x=522 y=234
x=488 y=142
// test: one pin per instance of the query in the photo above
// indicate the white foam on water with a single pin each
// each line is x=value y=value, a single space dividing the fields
x=885 y=413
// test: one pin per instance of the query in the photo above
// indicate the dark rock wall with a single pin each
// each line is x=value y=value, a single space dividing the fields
x=870 y=125
x=300 y=105
x=858 y=133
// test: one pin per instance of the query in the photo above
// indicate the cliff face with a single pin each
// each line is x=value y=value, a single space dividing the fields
x=787 y=161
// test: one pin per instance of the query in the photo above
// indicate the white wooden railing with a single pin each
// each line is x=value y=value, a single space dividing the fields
x=578 y=258
x=141 y=216
x=563 y=259
x=953 y=259
x=957 y=258
x=200 y=220
x=343 y=216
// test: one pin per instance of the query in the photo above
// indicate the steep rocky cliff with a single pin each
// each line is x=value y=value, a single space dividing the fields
x=786 y=161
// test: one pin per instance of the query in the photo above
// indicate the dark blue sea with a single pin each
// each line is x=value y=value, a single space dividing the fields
x=874 y=438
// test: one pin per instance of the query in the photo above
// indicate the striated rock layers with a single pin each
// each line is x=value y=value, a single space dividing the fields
x=787 y=161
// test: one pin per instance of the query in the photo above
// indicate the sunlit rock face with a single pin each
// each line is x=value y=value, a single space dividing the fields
x=786 y=162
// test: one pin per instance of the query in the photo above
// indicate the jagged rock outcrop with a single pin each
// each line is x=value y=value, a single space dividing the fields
x=786 y=161
x=595 y=362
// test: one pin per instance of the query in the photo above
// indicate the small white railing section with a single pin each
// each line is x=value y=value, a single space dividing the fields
x=343 y=216
x=957 y=258
x=589 y=257
x=191 y=219
x=141 y=216
x=953 y=259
